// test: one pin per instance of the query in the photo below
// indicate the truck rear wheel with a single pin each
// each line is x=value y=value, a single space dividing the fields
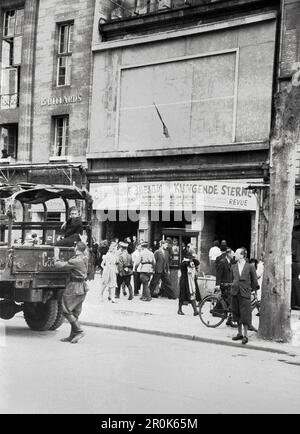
x=59 y=320
x=40 y=316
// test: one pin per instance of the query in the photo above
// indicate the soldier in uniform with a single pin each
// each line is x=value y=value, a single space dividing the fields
x=76 y=289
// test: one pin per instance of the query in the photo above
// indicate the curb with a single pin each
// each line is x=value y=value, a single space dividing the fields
x=186 y=337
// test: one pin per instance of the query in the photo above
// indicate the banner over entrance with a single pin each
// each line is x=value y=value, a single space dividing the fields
x=173 y=196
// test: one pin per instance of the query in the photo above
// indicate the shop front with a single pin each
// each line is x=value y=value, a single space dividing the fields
x=149 y=210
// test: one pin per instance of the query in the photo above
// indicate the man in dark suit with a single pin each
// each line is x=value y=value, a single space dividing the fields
x=224 y=279
x=162 y=270
x=244 y=282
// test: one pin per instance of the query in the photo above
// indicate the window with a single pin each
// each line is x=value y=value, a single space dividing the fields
x=13 y=23
x=11 y=58
x=61 y=136
x=64 y=54
x=8 y=140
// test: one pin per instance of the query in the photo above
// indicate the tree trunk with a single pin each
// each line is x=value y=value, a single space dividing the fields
x=276 y=288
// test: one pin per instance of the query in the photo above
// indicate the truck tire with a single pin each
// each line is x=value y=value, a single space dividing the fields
x=59 y=320
x=40 y=316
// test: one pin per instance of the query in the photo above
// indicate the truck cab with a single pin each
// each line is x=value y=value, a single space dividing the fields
x=29 y=280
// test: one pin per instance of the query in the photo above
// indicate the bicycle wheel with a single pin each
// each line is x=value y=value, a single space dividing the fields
x=212 y=311
x=255 y=303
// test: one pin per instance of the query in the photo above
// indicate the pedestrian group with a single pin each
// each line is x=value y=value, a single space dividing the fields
x=124 y=262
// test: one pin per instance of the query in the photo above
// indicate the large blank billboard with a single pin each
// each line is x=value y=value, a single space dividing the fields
x=195 y=98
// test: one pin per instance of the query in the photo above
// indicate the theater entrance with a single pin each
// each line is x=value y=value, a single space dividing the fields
x=235 y=228
x=120 y=229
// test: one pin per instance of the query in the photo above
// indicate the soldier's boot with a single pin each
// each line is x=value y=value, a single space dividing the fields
x=69 y=338
x=78 y=333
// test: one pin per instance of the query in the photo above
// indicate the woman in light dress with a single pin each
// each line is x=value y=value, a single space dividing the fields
x=109 y=275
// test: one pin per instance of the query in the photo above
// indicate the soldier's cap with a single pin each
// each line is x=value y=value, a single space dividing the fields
x=123 y=245
x=144 y=244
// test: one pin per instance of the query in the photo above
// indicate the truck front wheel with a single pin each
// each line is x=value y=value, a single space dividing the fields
x=40 y=316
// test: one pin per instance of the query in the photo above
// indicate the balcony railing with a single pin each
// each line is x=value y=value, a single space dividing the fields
x=121 y=9
x=9 y=101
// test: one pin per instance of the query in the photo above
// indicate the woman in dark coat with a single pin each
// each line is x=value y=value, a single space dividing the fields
x=188 y=285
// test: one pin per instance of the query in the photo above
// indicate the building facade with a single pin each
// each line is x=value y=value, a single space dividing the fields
x=45 y=91
x=45 y=66
x=180 y=117
x=167 y=103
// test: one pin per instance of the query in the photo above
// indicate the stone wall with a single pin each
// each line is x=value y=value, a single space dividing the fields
x=73 y=100
x=127 y=80
x=40 y=99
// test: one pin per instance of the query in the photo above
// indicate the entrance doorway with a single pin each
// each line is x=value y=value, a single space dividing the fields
x=235 y=228
x=120 y=229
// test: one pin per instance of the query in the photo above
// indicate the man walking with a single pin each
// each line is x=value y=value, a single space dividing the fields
x=76 y=289
x=244 y=281
x=162 y=269
x=145 y=263
x=125 y=270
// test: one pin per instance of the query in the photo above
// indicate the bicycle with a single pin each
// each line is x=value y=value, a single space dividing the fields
x=215 y=308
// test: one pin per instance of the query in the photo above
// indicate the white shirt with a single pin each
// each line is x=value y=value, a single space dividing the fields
x=260 y=270
x=214 y=252
x=147 y=262
x=241 y=266
x=136 y=257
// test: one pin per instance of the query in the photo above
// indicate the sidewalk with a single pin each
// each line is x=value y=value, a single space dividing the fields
x=160 y=317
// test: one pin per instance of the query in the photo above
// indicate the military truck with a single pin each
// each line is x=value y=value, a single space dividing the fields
x=29 y=281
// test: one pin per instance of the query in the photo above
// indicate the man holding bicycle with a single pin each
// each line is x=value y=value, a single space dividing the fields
x=224 y=280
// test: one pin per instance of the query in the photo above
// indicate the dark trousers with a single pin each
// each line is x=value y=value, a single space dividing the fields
x=68 y=241
x=127 y=281
x=167 y=286
x=137 y=282
x=213 y=271
x=145 y=278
